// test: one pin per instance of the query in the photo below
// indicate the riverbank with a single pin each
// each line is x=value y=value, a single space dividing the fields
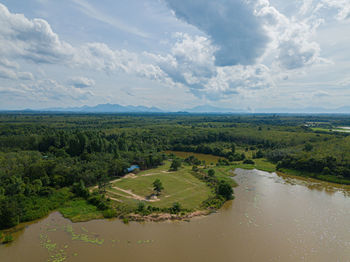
x=264 y=165
x=128 y=192
x=257 y=219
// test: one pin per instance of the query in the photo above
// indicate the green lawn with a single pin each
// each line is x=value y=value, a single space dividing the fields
x=180 y=186
x=260 y=164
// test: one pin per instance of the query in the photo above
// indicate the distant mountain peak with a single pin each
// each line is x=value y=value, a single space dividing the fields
x=107 y=108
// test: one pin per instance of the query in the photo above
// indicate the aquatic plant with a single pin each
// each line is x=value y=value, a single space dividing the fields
x=7 y=239
x=83 y=237
x=55 y=254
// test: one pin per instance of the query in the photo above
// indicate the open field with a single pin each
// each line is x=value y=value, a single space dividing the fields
x=180 y=186
x=261 y=163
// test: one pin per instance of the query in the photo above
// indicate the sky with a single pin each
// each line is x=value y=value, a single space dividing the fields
x=175 y=54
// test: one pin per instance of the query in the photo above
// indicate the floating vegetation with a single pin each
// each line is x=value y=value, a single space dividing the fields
x=145 y=241
x=7 y=239
x=55 y=254
x=83 y=237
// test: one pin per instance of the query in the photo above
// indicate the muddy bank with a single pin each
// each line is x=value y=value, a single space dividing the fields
x=161 y=217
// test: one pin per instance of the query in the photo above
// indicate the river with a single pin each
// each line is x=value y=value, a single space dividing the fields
x=273 y=218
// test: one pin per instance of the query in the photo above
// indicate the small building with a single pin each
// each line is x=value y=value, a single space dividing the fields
x=132 y=168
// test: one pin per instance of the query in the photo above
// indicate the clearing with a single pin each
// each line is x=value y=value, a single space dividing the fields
x=179 y=186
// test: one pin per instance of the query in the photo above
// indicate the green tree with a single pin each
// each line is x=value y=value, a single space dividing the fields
x=176 y=208
x=103 y=184
x=211 y=172
x=157 y=186
x=141 y=206
x=225 y=190
x=308 y=147
x=176 y=164
x=233 y=148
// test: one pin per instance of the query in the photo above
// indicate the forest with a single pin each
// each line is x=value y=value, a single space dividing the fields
x=48 y=159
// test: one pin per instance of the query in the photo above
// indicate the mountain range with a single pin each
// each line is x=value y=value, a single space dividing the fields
x=202 y=109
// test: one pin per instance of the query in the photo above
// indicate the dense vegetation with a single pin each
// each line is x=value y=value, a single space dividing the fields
x=47 y=160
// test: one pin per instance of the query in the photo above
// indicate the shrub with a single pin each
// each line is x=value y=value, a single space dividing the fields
x=211 y=172
x=225 y=190
x=109 y=213
x=141 y=206
x=249 y=162
x=176 y=208
x=7 y=239
x=175 y=165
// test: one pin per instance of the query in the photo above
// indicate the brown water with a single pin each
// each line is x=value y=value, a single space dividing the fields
x=273 y=218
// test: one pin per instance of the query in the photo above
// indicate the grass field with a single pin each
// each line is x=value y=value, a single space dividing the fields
x=260 y=164
x=322 y=177
x=180 y=186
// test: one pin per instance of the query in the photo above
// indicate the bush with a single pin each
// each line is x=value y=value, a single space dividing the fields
x=141 y=206
x=249 y=162
x=98 y=201
x=308 y=147
x=176 y=208
x=175 y=165
x=211 y=172
x=225 y=190
x=7 y=239
x=214 y=202
x=109 y=213
x=195 y=168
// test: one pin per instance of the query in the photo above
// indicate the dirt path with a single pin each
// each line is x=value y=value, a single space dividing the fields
x=115 y=199
x=134 y=196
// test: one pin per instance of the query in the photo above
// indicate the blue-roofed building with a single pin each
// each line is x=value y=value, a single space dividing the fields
x=132 y=168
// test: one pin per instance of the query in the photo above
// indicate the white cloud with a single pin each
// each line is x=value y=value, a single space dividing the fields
x=92 y=11
x=81 y=82
x=25 y=76
x=244 y=46
x=245 y=31
x=100 y=57
x=321 y=94
x=9 y=64
x=344 y=82
x=47 y=90
x=231 y=25
x=8 y=73
x=191 y=62
x=291 y=38
x=342 y=7
x=33 y=40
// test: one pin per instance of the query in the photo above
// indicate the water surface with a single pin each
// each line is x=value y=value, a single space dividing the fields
x=273 y=218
